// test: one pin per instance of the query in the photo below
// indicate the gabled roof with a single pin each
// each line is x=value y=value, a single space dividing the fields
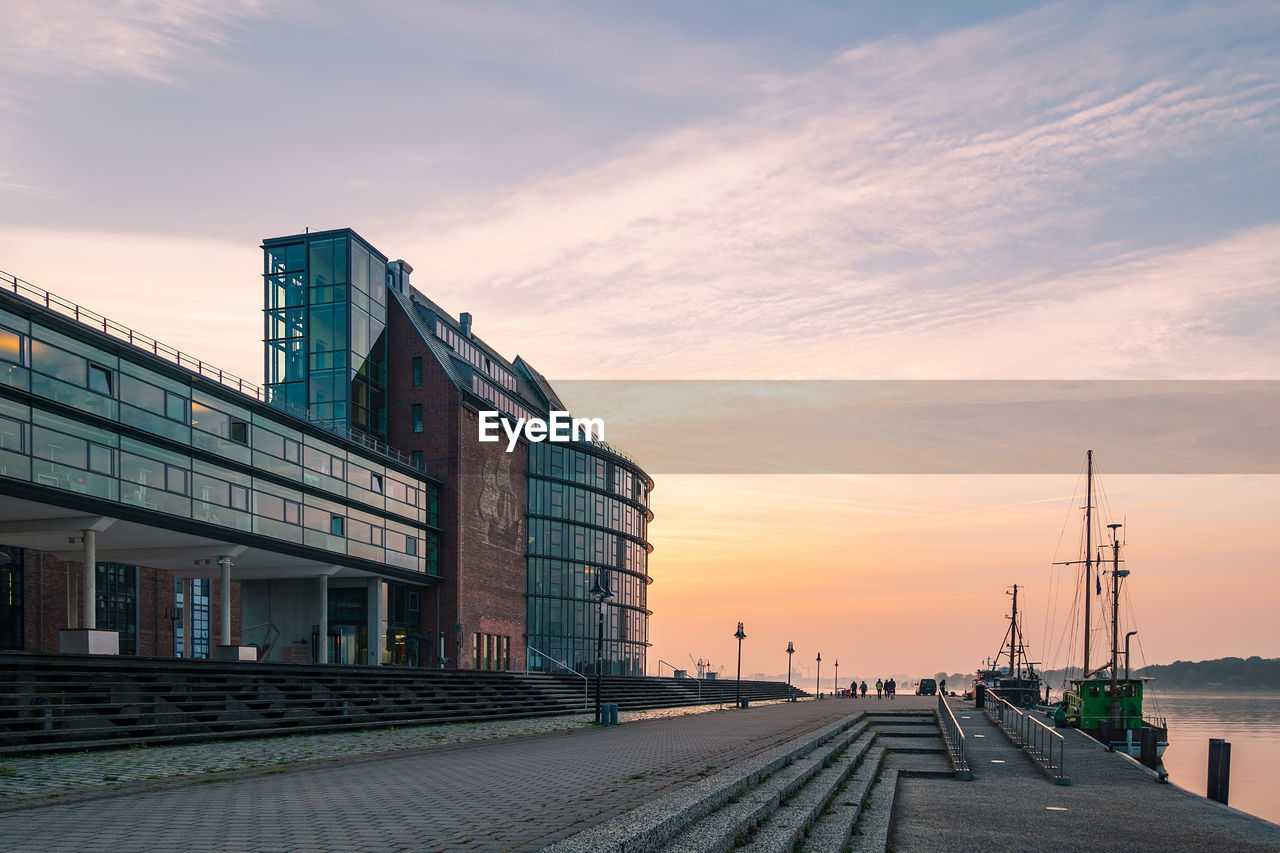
x=424 y=313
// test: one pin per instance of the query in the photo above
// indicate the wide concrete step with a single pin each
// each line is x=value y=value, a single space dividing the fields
x=715 y=812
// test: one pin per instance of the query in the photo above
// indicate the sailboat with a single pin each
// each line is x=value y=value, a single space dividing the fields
x=1101 y=703
x=1018 y=683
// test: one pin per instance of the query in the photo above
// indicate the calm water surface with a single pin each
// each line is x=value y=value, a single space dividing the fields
x=1249 y=721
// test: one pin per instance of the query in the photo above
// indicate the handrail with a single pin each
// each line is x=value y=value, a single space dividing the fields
x=1029 y=733
x=954 y=736
x=52 y=302
x=586 y=682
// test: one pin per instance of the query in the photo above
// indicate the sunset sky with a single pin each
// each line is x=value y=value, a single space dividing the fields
x=728 y=191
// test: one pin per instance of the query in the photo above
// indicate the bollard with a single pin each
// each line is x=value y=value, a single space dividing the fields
x=746 y=703
x=611 y=714
x=1147 y=747
x=1219 y=770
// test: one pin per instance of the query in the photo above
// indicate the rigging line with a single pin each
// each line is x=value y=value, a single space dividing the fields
x=1055 y=571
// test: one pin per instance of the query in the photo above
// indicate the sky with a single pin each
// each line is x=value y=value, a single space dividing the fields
x=726 y=191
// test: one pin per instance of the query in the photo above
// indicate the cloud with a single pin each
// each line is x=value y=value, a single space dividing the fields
x=142 y=39
x=849 y=217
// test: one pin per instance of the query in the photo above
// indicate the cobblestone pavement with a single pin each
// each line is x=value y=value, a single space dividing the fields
x=411 y=794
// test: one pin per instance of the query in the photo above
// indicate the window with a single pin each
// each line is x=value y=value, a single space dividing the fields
x=415 y=459
x=194 y=615
x=11 y=633
x=116 y=599
x=417 y=417
x=99 y=379
x=417 y=371
x=411 y=546
x=336 y=525
x=376 y=482
x=13 y=347
x=239 y=431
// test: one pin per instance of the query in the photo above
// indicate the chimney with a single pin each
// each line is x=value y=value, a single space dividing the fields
x=398 y=276
x=464 y=320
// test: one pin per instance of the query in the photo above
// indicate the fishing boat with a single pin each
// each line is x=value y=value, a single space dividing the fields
x=1101 y=703
x=1018 y=683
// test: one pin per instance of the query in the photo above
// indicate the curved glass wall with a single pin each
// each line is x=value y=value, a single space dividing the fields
x=588 y=519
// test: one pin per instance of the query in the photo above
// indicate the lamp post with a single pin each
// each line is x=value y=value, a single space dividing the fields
x=791 y=650
x=836 y=686
x=602 y=595
x=741 y=635
x=818 y=686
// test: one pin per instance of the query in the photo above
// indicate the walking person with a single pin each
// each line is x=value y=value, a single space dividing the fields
x=942 y=685
x=864 y=690
x=879 y=688
x=893 y=686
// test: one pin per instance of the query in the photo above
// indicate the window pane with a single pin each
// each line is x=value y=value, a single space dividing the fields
x=99 y=379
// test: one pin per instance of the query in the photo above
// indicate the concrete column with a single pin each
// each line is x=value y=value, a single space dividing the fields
x=375 y=622
x=225 y=564
x=188 y=622
x=322 y=640
x=89 y=602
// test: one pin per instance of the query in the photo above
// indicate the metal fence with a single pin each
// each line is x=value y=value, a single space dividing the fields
x=52 y=302
x=1040 y=741
x=954 y=736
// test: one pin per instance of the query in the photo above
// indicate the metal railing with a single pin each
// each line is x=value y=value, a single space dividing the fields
x=1042 y=743
x=954 y=736
x=56 y=304
x=564 y=665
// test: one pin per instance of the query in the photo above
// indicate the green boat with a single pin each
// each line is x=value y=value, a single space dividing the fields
x=1103 y=704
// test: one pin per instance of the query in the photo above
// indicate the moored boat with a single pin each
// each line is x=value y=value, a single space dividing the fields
x=1101 y=703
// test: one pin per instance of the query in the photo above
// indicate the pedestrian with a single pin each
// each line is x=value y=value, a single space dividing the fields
x=893 y=686
x=864 y=690
x=879 y=688
x=853 y=689
x=942 y=685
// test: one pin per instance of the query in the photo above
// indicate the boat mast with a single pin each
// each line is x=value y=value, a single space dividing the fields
x=1088 y=558
x=1013 y=636
x=1115 y=605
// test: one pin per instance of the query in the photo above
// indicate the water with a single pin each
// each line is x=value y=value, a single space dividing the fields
x=1249 y=721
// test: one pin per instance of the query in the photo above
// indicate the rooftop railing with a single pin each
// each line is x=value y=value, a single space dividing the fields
x=57 y=305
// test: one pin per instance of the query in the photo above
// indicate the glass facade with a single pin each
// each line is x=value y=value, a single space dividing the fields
x=588 y=521
x=86 y=419
x=326 y=319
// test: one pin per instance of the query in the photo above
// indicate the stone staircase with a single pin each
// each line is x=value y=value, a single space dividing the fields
x=66 y=702
x=829 y=790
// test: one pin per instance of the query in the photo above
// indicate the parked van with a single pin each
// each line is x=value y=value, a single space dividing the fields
x=927 y=687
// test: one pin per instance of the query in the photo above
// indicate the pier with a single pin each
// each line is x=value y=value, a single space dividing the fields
x=875 y=774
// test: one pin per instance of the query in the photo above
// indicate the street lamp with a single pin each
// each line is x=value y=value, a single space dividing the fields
x=741 y=635
x=836 y=690
x=602 y=595
x=791 y=650
x=818 y=686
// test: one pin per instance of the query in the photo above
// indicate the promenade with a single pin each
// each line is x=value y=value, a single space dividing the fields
x=1111 y=804
x=520 y=793
x=524 y=785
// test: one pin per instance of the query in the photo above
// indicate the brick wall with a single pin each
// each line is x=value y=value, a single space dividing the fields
x=45 y=578
x=482 y=503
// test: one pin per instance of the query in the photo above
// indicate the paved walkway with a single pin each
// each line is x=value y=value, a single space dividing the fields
x=1112 y=804
x=519 y=794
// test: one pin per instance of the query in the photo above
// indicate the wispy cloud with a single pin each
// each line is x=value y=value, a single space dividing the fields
x=848 y=217
x=140 y=39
